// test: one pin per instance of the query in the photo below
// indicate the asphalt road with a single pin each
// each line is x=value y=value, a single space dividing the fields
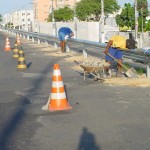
x=102 y=117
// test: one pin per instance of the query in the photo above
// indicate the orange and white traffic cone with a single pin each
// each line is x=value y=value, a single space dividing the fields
x=57 y=99
x=7 y=45
x=18 y=40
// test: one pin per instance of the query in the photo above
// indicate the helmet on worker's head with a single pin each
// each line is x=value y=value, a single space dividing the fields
x=130 y=44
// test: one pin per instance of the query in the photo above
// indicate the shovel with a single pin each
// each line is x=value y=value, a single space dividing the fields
x=131 y=73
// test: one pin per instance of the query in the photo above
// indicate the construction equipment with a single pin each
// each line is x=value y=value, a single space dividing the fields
x=92 y=70
x=130 y=72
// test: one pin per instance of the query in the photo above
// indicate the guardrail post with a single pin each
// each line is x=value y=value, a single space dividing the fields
x=21 y=35
x=46 y=42
x=32 y=39
x=84 y=52
x=28 y=38
x=67 y=48
x=39 y=42
x=12 y=32
x=55 y=45
x=148 y=69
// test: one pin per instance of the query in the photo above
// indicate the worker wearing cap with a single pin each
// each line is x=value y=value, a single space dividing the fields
x=63 y=34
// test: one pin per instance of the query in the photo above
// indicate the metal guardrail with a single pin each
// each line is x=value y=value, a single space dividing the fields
x=84 y=46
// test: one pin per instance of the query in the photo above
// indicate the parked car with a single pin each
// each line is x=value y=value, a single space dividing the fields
x=146 y=50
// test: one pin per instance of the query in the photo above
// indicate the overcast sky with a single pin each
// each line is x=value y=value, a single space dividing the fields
x=7 y=6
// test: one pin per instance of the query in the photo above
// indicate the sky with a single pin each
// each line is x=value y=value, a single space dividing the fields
x=8 y=6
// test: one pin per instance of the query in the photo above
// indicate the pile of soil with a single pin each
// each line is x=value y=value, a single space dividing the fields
x=141 y=81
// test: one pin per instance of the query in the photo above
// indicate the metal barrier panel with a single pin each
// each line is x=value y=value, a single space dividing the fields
x=85 y=46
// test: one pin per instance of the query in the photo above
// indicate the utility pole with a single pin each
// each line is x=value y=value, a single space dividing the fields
x=26 y=18
x=18 y=18
x=36 y=22
x=75 y=20
x=142 y=27
x=101 y=34
x=53 y=19
x=136 y=20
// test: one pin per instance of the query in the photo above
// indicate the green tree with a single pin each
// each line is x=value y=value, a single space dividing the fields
x=0 y=18
x=62 y=14
x=147 y=26
x=91 y=9
x=87 y=9
x=142 y=7
x=9 y=25
x=126 y=18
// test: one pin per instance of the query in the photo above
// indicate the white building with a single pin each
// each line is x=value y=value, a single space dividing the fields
x=22 y=19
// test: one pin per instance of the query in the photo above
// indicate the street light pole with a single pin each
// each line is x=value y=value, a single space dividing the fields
x=136 y=20
x=101 y=36
x=75 y=20
x=26 y=18
x=53 y=19
x=142 y=27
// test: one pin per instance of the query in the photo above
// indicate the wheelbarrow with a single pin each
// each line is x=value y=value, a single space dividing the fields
x=95 y=71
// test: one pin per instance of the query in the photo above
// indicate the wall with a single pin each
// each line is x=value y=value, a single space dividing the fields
x=90 y=31
x=85 y=30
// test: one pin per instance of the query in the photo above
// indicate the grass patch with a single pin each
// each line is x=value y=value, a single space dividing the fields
x=139 y=70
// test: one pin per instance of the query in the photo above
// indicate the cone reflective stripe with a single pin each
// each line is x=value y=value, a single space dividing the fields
x=18 y=39
x=21 y=60
x=58 y=100
x=7 y=45
x=16 y=51
x=21 y=53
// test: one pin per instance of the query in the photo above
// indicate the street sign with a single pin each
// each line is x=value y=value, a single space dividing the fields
x=136 y=14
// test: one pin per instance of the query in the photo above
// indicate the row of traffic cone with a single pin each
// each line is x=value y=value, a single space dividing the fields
x=17 y=52
x=57 y=100
x=7 y=44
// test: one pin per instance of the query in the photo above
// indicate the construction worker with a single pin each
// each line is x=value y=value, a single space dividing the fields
x=115 y=47
x=63 y=34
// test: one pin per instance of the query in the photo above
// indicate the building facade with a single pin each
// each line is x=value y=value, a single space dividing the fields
x=22 y=19
x=42 y=8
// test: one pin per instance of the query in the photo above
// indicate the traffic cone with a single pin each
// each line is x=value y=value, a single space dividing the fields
x=7 y=45
x=57 y=99
x=16 y=50
x=18 y=39
x=21 y=60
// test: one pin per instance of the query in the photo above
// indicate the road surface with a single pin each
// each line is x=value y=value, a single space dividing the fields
x=103 y=117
